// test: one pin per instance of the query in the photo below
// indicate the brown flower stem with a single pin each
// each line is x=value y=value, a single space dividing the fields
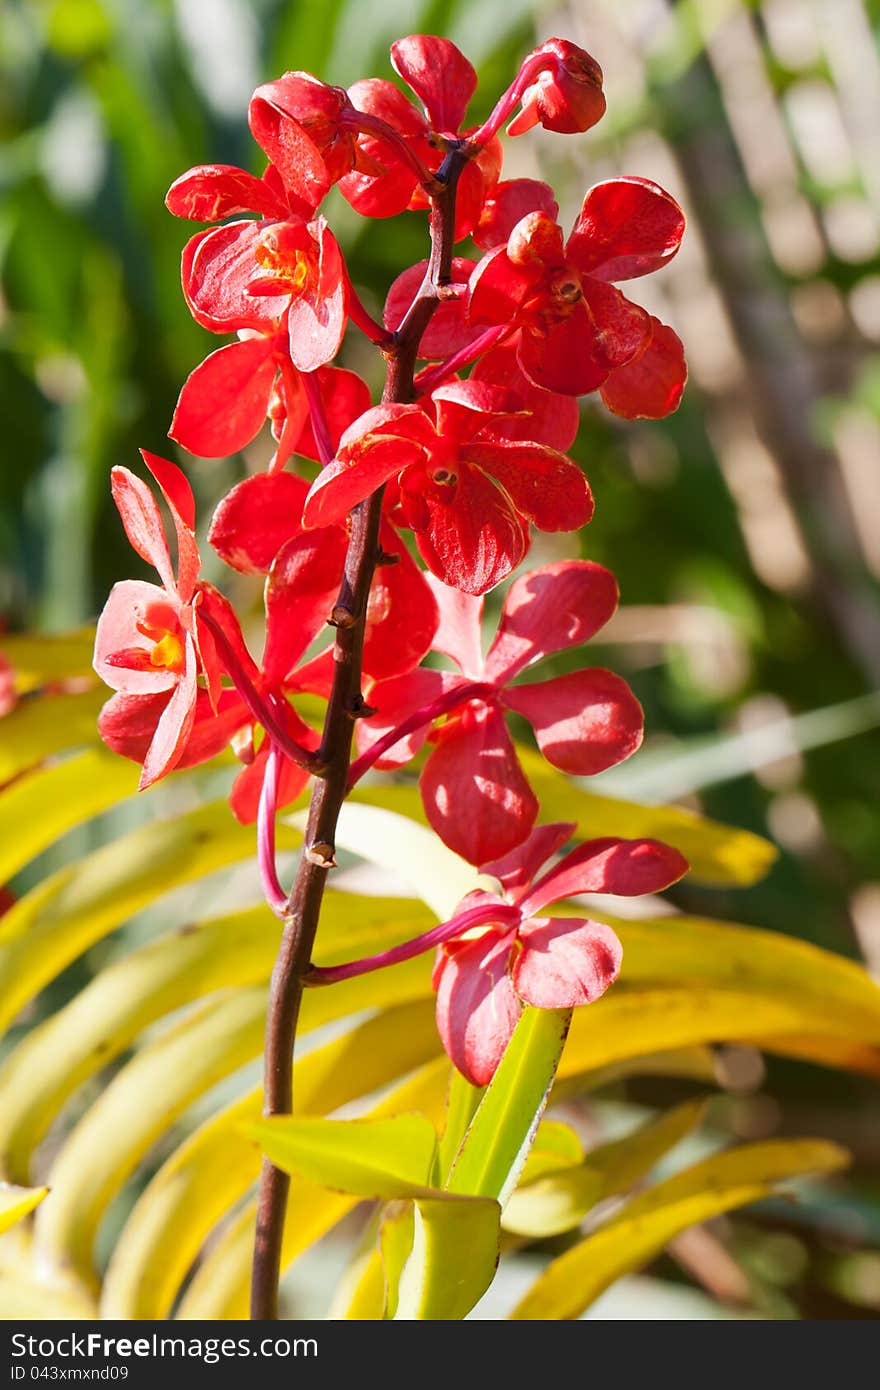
x=328 y=794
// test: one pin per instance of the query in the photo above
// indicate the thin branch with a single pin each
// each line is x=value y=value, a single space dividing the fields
x=301 y=922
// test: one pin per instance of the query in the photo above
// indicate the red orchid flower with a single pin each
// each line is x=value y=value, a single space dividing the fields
x=297 y=122
x=577 y=331
x=473 y=788
x=467 y=493
x=147 y=641
x=564 y=93
x=484 y=976
x=444 y=81
x=256 y=274
x=496 y=954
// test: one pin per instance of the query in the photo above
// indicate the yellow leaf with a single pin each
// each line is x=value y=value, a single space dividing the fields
x=39 y=659
x=47 y=724
x=572 y=1282
x=17 y=1202
x=35 y=810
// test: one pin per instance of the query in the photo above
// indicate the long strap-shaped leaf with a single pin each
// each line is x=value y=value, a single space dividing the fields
x=38 y=728
x=573 y=1281
x=105 y=1017
x=69 y=912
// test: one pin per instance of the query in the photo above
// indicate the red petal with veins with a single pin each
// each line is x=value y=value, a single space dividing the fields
x=401 y=613
x=142 y=522
x=447 y=331
x=216 y=271
x=477 y=1008
x=473 y=788
x=565 y=962
x=283 y=139
x=459 y=633
x=584 y=722
x=626 y=227
x=625 y=868
x=517 y=869
x=439 y=74
x=650 y=387
x=256 y=518
x=127 y=603
x=300 y=593
x=224 y=401
x=548 y=610
x=382 y=183
x=506 y=204
x=214 y=191
x=497 y=288
x=545 y=486
x=127 y=724
x=466 y=408
x=473 y=541
x=175 y=723
x=340 y=486
x=175 y=488
x=317 y=319
x=546 y=416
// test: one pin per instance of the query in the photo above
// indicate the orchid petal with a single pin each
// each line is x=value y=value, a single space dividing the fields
x=649 y=387
x=626 y=227
x=458 y=634
x=142 y=521
x=516 y=870
x=224 y=402
x=175 y=724
x=256 y=518
x=584 y=722
x=477 y=1009
x=549 y=610
x=565 y=962
x=625 y=868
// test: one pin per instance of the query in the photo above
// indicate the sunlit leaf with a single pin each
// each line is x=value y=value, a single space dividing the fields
x=498 y=1139
x=366 y=1158
x=733 y=1179
x=453 y=1258
x=17 y=1202
x=559 y=1200
x=39 y=659
x=38 y=728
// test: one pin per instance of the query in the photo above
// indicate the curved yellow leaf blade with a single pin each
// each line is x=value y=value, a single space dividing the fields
x=163 y=975
x=17 y=1203
x=36 y=729
x=43 y=658
x=556 y=1202
x=733 y=1179
x=453 y=1259
x=39 y=808
x=67 y=913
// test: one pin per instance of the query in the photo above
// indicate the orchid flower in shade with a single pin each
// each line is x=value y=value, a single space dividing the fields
x=496 y=953
x=577 y=331
x=474 y=791
x=560 y=88
x=147 y=642
x=385 y=183
x=467 y=493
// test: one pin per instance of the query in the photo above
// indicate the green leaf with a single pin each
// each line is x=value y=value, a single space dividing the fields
x=365 y=1158
x=207 y=1174
x=17 y=1202
x=461 y=1106
x=220 y=1286
x=556 y=1146
x=558 y=1201
x=572 y=1282
x=498 y=1139
x=453 y=1260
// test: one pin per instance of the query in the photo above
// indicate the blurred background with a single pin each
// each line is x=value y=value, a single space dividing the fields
x=745 y=530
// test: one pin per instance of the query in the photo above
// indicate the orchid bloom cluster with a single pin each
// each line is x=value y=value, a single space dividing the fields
x=467 y=456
